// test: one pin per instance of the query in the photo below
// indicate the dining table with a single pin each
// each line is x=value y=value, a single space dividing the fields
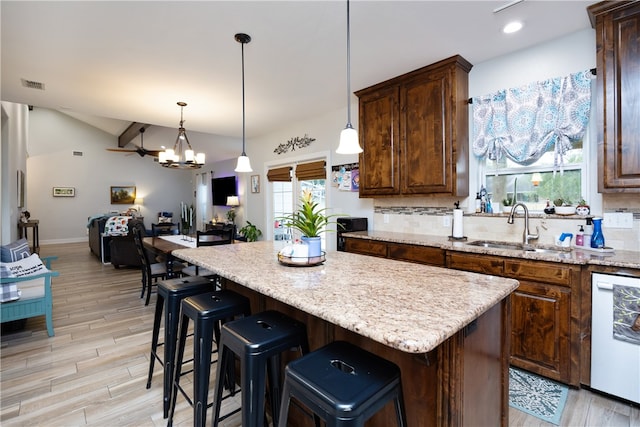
x=163 y=246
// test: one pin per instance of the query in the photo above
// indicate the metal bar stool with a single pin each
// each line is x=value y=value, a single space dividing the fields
x=258 y=341
x=207 y=311
x=343 y=384
x=170 y=295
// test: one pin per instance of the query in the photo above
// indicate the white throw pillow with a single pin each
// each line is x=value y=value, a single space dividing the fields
x=30 y=266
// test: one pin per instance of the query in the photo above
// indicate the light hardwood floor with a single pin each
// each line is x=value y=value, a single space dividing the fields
x=93 y=372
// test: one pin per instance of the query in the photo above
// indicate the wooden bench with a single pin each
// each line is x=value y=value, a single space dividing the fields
x=36 y=298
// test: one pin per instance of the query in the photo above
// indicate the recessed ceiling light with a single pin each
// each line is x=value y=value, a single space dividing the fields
x=512 y=27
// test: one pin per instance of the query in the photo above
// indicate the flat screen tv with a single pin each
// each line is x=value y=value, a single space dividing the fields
x=221 y=188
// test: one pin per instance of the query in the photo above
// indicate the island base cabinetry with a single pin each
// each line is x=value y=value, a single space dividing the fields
x=463 y=381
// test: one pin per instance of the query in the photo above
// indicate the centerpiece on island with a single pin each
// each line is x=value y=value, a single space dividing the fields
x=310 y=220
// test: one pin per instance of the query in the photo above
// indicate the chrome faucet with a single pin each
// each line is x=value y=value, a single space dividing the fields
x=526 y=236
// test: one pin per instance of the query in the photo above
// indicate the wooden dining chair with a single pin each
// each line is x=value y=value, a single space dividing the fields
x=151 y=271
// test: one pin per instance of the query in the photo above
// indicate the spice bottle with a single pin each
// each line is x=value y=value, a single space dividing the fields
x=478 y=203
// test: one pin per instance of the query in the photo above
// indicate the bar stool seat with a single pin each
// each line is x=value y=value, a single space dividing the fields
x=170 y=295
x=258 y=340
x=343 y=384
x=206 y=310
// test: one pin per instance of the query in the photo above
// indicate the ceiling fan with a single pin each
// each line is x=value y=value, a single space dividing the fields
x=139 y=149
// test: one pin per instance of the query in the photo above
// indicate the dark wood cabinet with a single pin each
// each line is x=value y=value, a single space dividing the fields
x=398 y=251
x=617 y=25
x=540 y=329
x=545 y=312
x=414 y=131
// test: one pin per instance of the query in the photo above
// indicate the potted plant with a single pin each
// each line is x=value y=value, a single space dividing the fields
x=250 y=232
x=310 y=221
x=564 y=206
x=583 y=208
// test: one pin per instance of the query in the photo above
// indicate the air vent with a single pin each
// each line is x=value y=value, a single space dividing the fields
x=31 y=84
x=78 y=153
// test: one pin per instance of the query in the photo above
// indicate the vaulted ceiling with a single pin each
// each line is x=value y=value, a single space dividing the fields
x=114 y=62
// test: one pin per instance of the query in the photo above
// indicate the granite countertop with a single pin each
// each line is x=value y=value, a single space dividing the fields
x=406 y=306
x=623 y=259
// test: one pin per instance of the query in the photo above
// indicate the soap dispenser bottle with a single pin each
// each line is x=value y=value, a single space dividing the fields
x=597 y=238
x=580 y=237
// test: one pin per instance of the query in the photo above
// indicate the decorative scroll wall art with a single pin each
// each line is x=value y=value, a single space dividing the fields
x=293 y=143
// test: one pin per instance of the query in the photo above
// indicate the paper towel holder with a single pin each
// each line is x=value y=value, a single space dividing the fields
x=451 y=237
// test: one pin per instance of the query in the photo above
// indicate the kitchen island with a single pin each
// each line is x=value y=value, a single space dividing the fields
x=446 y=329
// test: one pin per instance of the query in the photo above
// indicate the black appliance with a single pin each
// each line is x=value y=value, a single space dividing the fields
x=349 y=224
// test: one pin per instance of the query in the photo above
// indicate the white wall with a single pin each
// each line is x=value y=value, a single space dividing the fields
x=53 y=137
x=15 y=122
x=326 y=131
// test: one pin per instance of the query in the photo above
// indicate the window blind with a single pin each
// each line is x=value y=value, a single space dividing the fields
x=312 y=170
x=282 y=174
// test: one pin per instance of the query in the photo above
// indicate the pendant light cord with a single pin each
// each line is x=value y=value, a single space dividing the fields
x=348 y=69
x=243 y=119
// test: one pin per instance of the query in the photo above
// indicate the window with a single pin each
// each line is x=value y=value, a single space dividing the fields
x=537 y=183
x=286 y=189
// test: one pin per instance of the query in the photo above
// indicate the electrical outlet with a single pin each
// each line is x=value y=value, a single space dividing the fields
x=617 y=220
x=385 y=218
x=446 y=221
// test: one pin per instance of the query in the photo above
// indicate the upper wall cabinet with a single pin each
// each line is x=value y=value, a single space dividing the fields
x=617 y=25
x=414 y=130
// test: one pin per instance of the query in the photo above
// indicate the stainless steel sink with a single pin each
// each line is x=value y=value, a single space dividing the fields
x=497 y=245
x=515 y=247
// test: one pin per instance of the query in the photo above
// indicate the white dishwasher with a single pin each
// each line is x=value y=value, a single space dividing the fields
x=615 y=348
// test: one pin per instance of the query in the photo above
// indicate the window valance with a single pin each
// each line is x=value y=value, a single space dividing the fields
x=524 y=123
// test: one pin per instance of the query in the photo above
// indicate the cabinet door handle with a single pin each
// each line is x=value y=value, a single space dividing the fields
x=604 y=285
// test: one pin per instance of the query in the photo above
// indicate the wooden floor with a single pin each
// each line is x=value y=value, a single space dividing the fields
x=93 y=372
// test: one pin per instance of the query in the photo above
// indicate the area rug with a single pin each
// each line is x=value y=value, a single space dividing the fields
x=537 y=396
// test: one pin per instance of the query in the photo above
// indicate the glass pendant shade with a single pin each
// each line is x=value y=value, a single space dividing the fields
x=349 y=141
x=243 y=165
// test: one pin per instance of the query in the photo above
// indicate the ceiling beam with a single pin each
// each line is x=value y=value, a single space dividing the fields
x=130 y=133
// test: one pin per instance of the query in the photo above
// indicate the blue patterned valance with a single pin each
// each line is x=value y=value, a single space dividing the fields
x=524 y=123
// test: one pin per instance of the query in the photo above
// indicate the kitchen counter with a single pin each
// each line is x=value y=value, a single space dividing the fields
x=623 y=259
x=409 y=307
x=447 y=330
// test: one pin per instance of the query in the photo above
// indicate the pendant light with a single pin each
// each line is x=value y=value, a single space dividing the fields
x=181 y=157
x=243 y=165
x=349 y=136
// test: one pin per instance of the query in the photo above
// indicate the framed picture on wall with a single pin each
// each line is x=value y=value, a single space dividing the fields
x=64 y=192
x=123 y=195
x=255 y=183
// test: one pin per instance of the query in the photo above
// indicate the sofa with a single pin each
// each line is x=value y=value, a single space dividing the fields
x=119 y=250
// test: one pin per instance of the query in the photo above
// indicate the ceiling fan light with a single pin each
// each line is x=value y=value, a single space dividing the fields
x=243 y=165
x=349 y=141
